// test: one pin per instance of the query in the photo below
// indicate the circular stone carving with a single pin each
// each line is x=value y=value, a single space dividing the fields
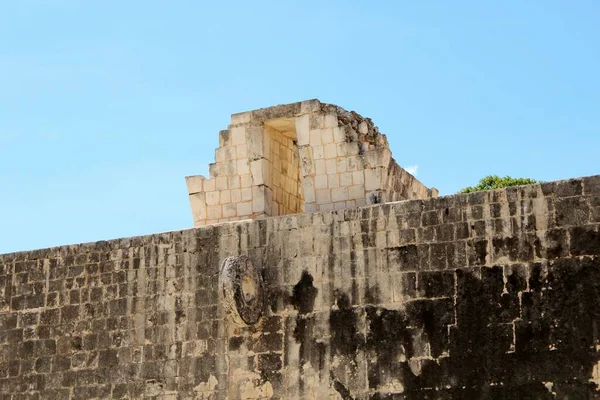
x=241 y=286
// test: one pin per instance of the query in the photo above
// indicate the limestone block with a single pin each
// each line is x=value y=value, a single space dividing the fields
x=236 y=195
x=229 y=168
x=346 y=179
x=246 y=194
x=341 y=164
x=318 y=152
x=306 y=157
x=195 y=184
x=224 y=138
x=331 y=120
x=213 y=212
x=229 y=210
x=339 y=194
x=339 y=134
x=244 y=209
x=323 y=196
x=213 y=198
x=356 y=192
x=320 y=167
x=326 y=207
x=303 y=130
x=246 y=180
x=238 y=135
x=258 y=169
x=321 y=182
x=330 y=150
x=327 y=136
x=234 y=182
x=378 y=158
x=241 y=118
x=374 y=178
x=358 y=177
x=333 y=181
x=331 y=165
x=352 y=149
x=361 y=202
x=221 y=182
x=339 y=206
x=243 y=166
x=341 y=149
x=258 y=199
x=225 y=196
x=220 y=154
x=214 y=169
x=268 y=201
x=255 y=142
x=242 y=151
x=363 y=127
x=315 y=137
x=310 y=207
x=309 y=190
x=354 y=163
x=198 y=205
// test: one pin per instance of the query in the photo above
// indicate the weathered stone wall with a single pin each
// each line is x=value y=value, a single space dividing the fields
x=486 y=295
x=306 y=156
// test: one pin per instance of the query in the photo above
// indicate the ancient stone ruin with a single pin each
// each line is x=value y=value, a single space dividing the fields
x=295 y=158
x=318 y=269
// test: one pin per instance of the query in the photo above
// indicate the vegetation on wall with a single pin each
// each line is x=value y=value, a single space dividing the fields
x=495 y=182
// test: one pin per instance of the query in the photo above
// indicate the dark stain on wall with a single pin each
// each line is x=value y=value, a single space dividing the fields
x=499 y=333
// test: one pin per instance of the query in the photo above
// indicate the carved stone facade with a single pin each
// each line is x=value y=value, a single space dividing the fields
x=300 y=157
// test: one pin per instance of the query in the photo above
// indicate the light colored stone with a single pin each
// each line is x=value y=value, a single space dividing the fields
x=331 y=121
x=241 y=118
x=356 y=192
x=246 y=194
x=225 y=196
x=221 y=183
x=303 y=130
x=195 y=183
x=234 y=182
x=213 y=212
x=339 y=134
x=238 y=135
x=213 y=198
x=321 y=182
x=318 y=152
x=323 y=196
x=281 y=153
x=326 y=136
x=315 y=137
x=333 y=181
x=331 y=165
x=358 y=177
x=346 y=179
x=339 y=194
x=244 y=209
x=330 y=150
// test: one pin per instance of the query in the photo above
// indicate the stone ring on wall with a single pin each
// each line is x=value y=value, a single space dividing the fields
x=241 y=287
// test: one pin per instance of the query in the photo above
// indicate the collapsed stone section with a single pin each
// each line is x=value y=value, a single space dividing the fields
x=299 y=157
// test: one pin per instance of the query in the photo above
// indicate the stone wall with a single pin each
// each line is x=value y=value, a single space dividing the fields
x=330 y=159
x=486 y=295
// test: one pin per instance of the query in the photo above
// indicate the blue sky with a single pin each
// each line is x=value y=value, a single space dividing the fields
x=105 y=106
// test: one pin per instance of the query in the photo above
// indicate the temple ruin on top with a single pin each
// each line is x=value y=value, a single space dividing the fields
x=301 y=157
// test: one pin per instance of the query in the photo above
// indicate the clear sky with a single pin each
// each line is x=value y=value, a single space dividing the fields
x=105 y=106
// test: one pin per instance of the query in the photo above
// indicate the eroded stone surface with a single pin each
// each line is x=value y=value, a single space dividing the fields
x=486 y=295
